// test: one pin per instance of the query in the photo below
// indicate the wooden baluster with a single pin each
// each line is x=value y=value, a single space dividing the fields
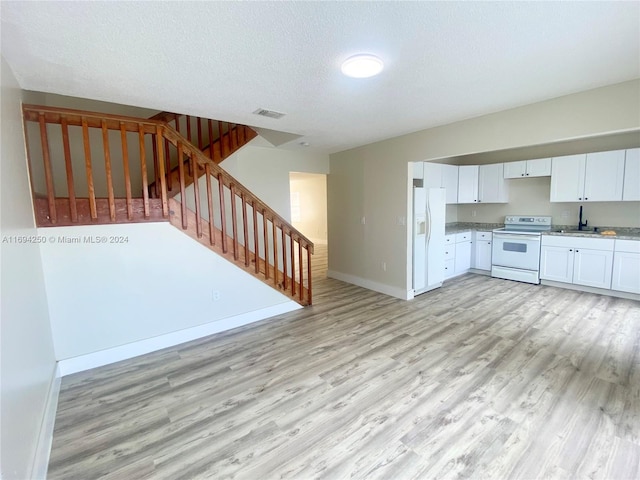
x=67 y=160
x=199 y=133
x=223 y=215
x=143 y=170
x=207 y=174
x=177 y=119
x=46 y=157
x=107 y=166
x=183 y=199
x=309 y=274
x=256 y=247
x=221 y=138
x=196 y=194
x=234 y=222
x=163 y=177
x=210 y=138
x=301 y=273
x=284 y=257
x=235 y=137
x=154 y=145
x=188 y=118
x=167 y=156
x=87 y=163
x=265 y=234
x=125 y=165
x=275 y=252
x=241 y=136
x=245 y=230
x=293 y=266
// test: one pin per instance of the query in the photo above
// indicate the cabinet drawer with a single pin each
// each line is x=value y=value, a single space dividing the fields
x=449 y=252
x=484 y=235
x=450 y=239
x=629 y=246
x=578 y=242
x=463 y=237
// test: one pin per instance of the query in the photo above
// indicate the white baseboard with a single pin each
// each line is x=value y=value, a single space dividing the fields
x=45 y=437
x=123 y=352
x=371 y=285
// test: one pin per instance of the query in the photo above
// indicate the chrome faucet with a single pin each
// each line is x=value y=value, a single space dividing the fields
x=580 y=224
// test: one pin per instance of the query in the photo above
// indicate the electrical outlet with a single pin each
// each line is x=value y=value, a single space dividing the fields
x=215 y=296
x=473 y=213
x=363 y=220
x=566 y=214
x=384 y=266
x=401 y=221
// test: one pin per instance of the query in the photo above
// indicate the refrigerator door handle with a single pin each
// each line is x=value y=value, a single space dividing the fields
x=429 y=222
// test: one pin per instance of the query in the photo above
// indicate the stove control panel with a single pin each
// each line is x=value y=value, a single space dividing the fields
x=538 y=221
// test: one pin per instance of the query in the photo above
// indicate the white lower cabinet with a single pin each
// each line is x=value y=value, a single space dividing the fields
x=463 y=257
x=626 y=266
x=457 y=254
x=481 y=251
x=577 y=260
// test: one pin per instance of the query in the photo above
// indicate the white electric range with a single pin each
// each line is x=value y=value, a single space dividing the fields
x=515 y=253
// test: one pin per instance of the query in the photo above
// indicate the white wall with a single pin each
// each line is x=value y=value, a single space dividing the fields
x=530 y=196
x=28 y=360
x=373 y=181
x=312 y=193
x=105 y=295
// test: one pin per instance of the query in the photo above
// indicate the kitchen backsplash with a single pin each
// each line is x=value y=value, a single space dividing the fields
x=530 y=196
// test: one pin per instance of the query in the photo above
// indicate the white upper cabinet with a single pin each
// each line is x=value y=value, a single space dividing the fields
x=468 y=184
x=450 y=182
x=432 y=175
x=593 y=177
x=491 y=185
x=417 y=169
x=631 y=189
x=540 y=167
x=604 y=176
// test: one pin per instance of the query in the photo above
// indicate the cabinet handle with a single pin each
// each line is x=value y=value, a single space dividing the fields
x=586 y=198
x=571 y=250
x=522 y=174
x=577 y=251
x=527 y=174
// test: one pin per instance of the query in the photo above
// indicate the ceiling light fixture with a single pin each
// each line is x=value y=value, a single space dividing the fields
x=362 y=66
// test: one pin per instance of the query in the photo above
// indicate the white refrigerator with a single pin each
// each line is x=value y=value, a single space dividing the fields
x=428 y=238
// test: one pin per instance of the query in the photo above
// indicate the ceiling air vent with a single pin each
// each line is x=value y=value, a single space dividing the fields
x=269 y=113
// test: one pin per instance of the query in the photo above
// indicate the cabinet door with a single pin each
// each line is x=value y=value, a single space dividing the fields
x=432 y=175
x=567 y=178
x=540 y=167
x=450 y=183
x=515 y=169
x=626 y=272
x=604 y=176
x=593 y=268
x=449 y=268
x=556 y=263
x=631 y=188
x=482 y=255
x=468 y=184
x=463 y=257
x=492 y=188
x=417 y=169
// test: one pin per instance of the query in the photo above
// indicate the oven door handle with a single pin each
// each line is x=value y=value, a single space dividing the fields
x=515 y=236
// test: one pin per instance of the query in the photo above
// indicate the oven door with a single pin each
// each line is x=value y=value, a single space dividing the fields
x=516 y=251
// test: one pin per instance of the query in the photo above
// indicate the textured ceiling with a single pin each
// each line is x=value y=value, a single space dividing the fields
x=444 y=61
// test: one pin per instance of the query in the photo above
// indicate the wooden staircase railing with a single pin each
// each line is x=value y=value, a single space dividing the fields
x=216 y=139
x=78 y=183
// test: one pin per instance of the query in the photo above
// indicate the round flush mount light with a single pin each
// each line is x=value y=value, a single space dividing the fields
x=362 y=66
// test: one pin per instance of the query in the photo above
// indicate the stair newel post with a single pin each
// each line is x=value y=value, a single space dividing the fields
x=300 y=267
x=46 y=158
x=161 y=172
x=207 y=173
x=125 y=166
x=89 y=170
x=284 y=257
x=245 y=229
x=256 y=247
x=275 y=252
x=73 y=208
x=183 y=198
x=234 y=221
x=293 y=265
x=309 y=274
x=223 y=213
x=196 y=194
x=265 y=234
x=143 y=170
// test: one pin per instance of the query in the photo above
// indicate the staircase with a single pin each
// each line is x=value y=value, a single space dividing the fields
x=91 y=168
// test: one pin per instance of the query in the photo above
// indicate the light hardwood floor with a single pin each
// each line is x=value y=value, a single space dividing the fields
x=483 y=378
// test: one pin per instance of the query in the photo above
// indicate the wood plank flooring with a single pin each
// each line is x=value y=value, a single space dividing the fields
x=483 y=378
